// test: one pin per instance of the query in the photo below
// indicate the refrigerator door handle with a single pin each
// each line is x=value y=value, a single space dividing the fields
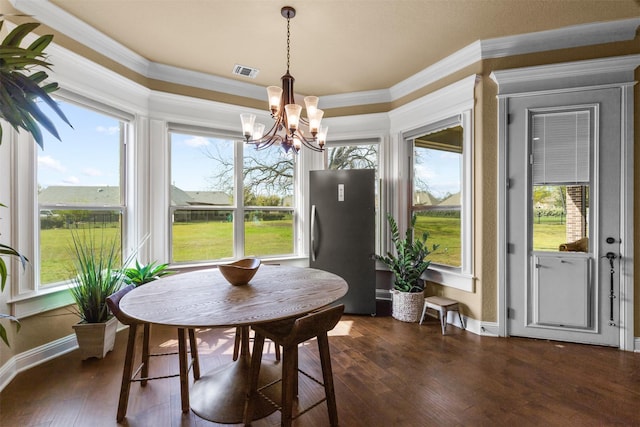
x=313 y=233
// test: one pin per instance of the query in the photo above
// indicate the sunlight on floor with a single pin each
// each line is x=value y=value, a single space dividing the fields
x=221 y=341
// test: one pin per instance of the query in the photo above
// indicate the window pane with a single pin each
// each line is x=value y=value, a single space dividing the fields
x=202 y=170
x=84 y=167
x=560 y=218
x=56 y=253
x=199 y=235
x=443 y=227
x=268 y=233
x=268 y=177
x=353 y=157
x=437 y=187
x=76 y=176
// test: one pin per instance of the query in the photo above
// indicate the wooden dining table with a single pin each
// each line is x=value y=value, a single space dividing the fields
x=204 y=299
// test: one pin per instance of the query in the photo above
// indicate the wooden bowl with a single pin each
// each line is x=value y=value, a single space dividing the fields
x=240 y=272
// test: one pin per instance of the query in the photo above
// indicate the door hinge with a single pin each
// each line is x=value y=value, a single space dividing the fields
x=509 y=118
x=530 y=159
x=508 y=183
x=510 y=248
x=511 y=313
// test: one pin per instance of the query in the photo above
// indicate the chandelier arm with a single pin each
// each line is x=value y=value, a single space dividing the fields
x=308 y=142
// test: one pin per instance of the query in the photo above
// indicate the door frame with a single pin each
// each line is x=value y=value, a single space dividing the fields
x=616 y=72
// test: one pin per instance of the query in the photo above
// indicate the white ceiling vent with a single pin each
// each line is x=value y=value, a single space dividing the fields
x=241 y=70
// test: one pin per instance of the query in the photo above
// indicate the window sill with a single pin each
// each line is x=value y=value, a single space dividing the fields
x=45 y=300
x=452 y=279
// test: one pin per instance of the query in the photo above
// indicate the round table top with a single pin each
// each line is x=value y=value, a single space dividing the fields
x=204 y=298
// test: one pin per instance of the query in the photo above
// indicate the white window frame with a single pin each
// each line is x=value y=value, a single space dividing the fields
x=457 y=277
x=410 y=121
x=28 y=297
x=238 y=207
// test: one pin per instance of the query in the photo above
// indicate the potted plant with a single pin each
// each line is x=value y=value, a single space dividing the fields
x=407 y=265
x=22 y=86
x=98 y=275
x=141 y=274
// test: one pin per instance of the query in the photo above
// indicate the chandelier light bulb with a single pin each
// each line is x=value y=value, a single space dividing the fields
x=247 y=124
x=275 y=94
x=311 y=104
x=258 y=131
x=293 y=116
x=314 y=121
x=322 y=135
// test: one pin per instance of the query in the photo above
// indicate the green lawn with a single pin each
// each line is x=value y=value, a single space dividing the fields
x=445 y=232
x=198 y=241
x=56 y=252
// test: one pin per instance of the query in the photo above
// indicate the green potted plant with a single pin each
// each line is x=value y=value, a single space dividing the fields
x=97 y=275
x=407 y=265
x=141 y=274
x=22 y=86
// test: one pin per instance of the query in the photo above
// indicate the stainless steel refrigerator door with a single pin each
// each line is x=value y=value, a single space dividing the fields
x=342 y=230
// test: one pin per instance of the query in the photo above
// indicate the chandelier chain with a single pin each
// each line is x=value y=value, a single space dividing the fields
x=288 y=42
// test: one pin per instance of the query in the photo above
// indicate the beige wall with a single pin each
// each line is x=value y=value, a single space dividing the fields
x=480 y=305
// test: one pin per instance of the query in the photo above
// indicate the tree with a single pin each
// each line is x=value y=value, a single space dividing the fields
x=268 y=172
x=353 y=157
x=21 y=88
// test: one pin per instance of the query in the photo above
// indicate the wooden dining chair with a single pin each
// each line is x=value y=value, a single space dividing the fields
x=129 y=375
x=289 y=333
x=240 y=330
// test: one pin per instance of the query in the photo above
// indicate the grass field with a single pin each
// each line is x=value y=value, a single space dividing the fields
x=214 y=240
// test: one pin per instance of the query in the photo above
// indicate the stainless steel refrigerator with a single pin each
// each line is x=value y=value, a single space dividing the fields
x=342 y=230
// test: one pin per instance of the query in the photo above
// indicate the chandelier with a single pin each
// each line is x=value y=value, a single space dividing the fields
x=290 y=130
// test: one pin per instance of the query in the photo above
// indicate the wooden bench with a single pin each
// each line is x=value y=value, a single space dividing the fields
x=442 y=305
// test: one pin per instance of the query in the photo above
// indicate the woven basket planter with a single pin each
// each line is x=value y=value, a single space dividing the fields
x=407 y=306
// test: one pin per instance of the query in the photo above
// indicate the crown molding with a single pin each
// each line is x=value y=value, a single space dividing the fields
x=452 y=63
x=56 y=18
x=561 y=38
x=606 y=71
x=568 y=37
x=171 y=74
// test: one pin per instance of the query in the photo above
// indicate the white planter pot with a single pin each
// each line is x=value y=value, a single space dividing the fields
x=407 y=306
x=96 y=339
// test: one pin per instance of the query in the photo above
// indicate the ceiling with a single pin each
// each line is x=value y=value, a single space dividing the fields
x=337 y=46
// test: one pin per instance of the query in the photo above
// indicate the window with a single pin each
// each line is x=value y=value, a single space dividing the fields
x=80 y=186
x=268 y=200
x=437 y=186
x=228 y=200
x=440 y=196
x=560 y=179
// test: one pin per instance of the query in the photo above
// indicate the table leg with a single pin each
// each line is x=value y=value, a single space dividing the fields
x=184 y=378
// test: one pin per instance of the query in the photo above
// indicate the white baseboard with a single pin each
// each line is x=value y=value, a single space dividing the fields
x=34 y=357
x=38 y=355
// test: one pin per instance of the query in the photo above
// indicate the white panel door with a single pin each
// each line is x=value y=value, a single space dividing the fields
x=563 y=214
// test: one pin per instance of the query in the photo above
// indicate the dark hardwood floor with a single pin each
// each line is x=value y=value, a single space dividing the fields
x=387 y=373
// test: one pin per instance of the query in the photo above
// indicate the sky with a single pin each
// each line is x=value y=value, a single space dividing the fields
x=87 y=153
x=440 y=170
